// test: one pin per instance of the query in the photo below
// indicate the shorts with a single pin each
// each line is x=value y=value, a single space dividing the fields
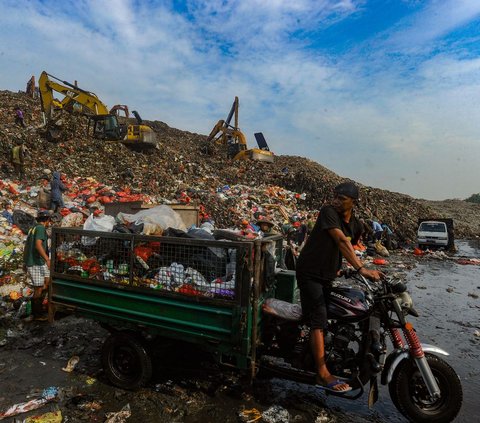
x=314 y=293
x=38 y=274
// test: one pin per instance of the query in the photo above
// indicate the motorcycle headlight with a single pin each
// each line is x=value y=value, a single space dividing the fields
x=406 y=301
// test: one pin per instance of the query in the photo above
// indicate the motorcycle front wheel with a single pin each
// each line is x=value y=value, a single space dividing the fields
x=410 y=395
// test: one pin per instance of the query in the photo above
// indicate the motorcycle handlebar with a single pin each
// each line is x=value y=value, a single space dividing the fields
x=397 y=287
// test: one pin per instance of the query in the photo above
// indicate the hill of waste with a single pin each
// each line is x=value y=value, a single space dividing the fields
x=179 y=170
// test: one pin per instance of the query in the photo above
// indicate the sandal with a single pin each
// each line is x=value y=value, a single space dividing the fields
x=330 y=387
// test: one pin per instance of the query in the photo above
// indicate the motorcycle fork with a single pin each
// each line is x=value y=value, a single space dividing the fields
x=416 y=351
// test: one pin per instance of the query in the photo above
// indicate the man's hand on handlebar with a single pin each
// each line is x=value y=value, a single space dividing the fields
x=372 y=275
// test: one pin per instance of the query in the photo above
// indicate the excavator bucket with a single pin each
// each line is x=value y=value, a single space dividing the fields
x=54 y=134
x=261 y=141
x=263 y=153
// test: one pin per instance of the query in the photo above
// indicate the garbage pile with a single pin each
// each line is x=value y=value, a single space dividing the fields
x=179 y=170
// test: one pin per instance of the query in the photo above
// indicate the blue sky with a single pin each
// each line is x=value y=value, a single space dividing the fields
x=384 y=92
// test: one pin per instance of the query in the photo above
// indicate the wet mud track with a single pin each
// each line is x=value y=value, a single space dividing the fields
x=188 y=388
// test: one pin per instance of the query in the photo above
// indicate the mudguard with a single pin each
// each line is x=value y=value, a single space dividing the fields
x=394 y=359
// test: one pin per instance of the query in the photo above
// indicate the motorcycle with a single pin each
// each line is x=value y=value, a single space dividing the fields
x=362 y=316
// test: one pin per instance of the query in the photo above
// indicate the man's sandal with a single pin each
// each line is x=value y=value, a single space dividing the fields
x=330 y=387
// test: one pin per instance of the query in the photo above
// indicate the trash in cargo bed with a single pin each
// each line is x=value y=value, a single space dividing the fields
x=193 y=267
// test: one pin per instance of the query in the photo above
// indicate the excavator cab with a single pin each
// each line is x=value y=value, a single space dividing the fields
x=106 y=127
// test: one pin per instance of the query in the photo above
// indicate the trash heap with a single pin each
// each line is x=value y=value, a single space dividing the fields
x=180 y=171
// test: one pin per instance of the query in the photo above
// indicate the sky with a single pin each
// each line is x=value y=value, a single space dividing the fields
x=384 y=92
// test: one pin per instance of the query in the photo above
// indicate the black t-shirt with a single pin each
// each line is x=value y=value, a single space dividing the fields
x=321 y=257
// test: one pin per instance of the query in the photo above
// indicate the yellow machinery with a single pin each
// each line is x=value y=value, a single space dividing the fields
x=225 y=134
x=103 y=124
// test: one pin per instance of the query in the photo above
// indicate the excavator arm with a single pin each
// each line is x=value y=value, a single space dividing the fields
x=230 y=135
x=73 y=95
x=103 y=123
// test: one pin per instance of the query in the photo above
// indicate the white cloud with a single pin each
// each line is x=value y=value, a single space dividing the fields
x=436 y=20
x=381 y=118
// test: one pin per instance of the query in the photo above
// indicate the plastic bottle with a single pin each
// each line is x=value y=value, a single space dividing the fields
x=22 y=309
x=110 y=266
x=123 y=269
x=232 y=264
x=142 y=262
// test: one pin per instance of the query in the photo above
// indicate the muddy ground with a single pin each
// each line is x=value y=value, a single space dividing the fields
x=188 y=387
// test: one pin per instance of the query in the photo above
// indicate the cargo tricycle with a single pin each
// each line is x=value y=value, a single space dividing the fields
x=231 y=299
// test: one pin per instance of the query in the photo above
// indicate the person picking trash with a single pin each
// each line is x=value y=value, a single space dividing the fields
x=37 y=262
x=335 y=230
x=266 y=227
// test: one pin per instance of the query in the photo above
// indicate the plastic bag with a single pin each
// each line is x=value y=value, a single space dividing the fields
x=43 y=199
x=193 y=276
x=100 y=224
x=380 y=249
x=72 y=220
x=161 y=216
x=282 y=309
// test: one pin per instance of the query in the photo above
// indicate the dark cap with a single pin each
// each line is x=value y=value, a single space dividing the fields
x=348 y=189
x=43 y=215
x=266 y=221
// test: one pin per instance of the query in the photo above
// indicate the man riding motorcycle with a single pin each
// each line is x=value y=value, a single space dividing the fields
x=335 y=230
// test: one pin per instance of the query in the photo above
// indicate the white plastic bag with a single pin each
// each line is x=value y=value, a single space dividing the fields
x=193 y=276
x=100 y=224
x=178 y=273
x=163 y=216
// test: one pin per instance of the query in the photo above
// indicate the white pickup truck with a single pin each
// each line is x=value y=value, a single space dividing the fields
x=432 y=233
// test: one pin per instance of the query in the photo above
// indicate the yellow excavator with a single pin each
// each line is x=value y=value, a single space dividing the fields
x=103 y=124
x=230 y=135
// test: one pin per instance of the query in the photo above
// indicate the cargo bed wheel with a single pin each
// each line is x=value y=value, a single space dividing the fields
x=126 y=361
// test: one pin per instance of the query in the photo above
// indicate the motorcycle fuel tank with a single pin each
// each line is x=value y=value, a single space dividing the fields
x=348 y=303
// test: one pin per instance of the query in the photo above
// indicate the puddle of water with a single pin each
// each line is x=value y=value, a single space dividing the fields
x=469 y=248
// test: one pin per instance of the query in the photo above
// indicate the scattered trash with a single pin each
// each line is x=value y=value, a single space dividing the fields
x=90 y=380
x=250 y=416
x=71 y=364
x=50 y=417
x=418 y=252
x=119 y=416
x=85 y=402
x=381 y=250
x=324 y=417
x=473 y=295
x=48 y=395
x=468 y=261
x=276 y=414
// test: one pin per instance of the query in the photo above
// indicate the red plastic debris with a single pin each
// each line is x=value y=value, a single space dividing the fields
x=418 y=252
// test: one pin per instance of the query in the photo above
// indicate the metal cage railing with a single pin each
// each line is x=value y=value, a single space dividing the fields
x=181 y=266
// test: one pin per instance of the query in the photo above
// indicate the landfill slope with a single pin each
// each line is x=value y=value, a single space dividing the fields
x=186 y=168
